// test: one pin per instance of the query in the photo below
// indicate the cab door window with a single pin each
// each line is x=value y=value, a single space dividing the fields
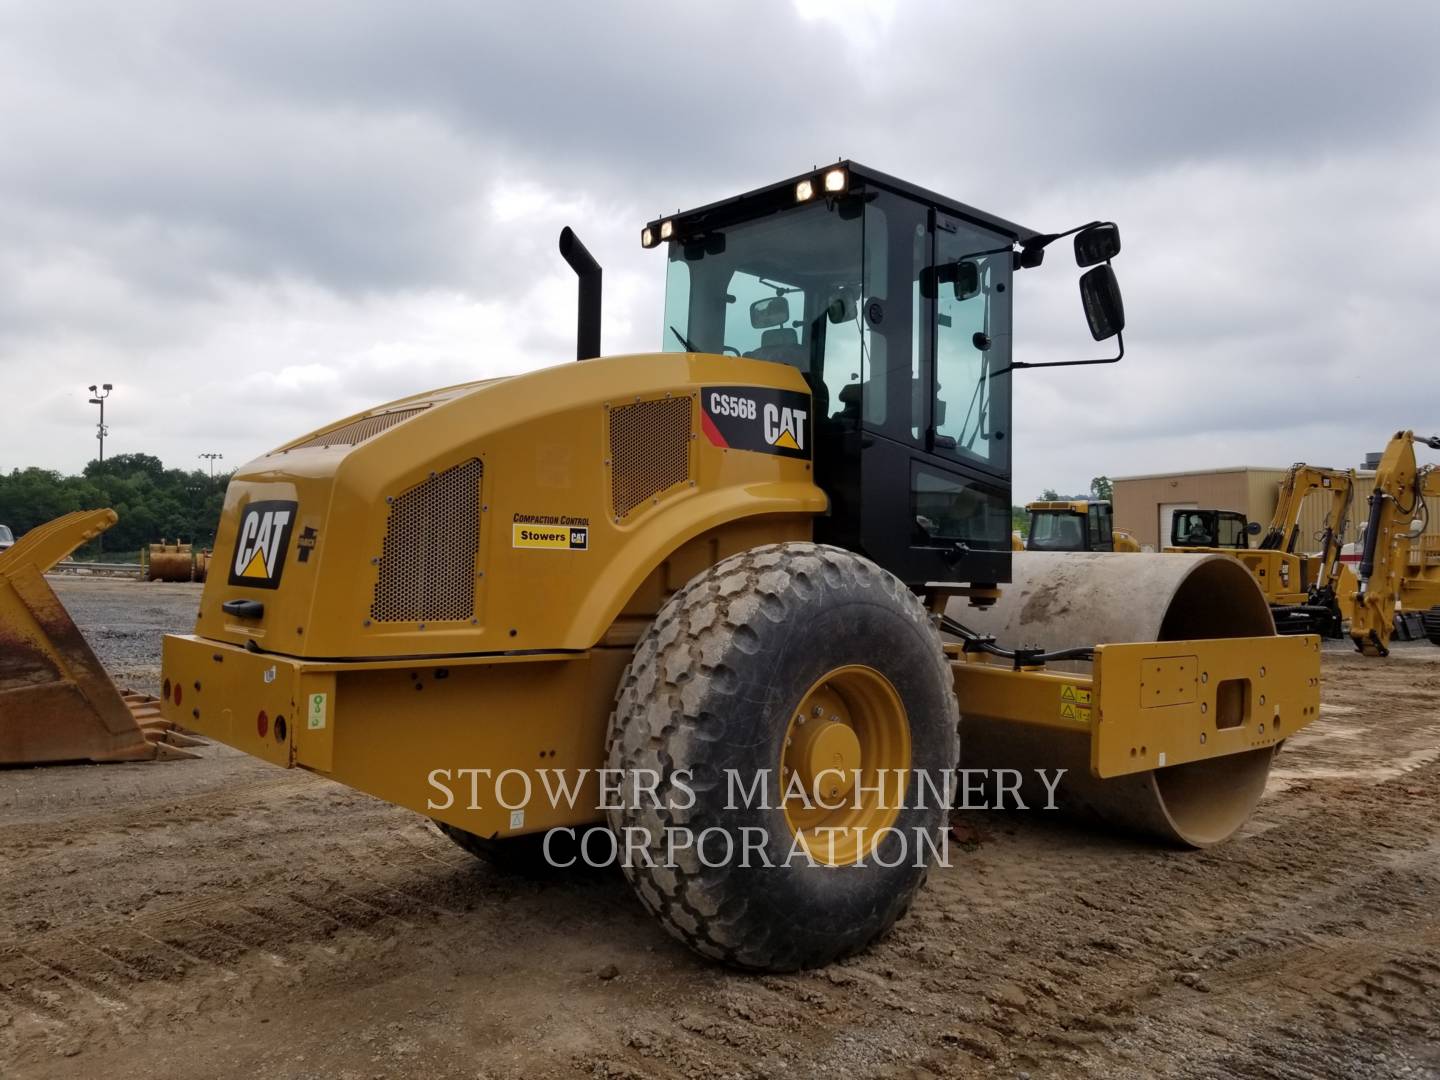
x=971 y=406
x=1101 y=534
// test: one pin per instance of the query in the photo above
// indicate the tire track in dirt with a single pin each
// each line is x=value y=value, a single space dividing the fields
x=162 y=926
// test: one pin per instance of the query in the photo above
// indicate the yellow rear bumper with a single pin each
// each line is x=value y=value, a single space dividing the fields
x=432 y=734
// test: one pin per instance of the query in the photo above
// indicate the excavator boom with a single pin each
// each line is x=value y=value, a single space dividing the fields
x=1389 y=580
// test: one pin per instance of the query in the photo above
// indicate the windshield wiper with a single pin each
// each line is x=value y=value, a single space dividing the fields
x=689 y=345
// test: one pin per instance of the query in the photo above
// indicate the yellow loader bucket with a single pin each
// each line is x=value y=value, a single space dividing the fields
x=56 y=701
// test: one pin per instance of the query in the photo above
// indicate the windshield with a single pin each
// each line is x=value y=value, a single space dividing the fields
x=1056 y=530
x=784 y=288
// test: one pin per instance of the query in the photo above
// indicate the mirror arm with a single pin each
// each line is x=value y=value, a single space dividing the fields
x=1044 y=240
x=1119 y=339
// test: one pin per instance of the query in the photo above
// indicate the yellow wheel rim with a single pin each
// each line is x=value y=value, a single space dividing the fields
x=845 y=764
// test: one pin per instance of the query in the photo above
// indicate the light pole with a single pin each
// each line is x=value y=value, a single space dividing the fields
x=99 y=399
x=213 y=457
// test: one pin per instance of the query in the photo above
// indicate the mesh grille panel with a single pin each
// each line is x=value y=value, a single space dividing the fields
x=427 y=563
x=649 y=450
x=358 y=431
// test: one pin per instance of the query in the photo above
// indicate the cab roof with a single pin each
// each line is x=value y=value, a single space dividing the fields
x=1073 y=506
x=781 y=196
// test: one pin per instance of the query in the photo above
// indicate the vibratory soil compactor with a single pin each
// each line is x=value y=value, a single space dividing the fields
x=773 y=557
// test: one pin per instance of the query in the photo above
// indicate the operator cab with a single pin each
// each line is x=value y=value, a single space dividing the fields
x=1211 y=528
x=895 y=305
x=1070 y=525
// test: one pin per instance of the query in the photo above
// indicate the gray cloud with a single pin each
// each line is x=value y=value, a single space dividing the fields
x=303 y=209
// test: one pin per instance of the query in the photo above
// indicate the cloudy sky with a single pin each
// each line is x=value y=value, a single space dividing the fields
x=255 y=217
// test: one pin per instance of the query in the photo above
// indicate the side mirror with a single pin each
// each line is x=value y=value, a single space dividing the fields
x=1097 y=244
x=772 y=311
x=1100 y=294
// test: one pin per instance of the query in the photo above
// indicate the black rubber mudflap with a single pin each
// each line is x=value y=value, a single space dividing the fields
x=1432 y=625
x=1410 y=626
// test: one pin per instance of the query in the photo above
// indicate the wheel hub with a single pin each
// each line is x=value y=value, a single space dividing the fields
x=825 y=755
x=849 y=726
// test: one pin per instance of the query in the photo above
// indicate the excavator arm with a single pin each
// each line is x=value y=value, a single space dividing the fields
x=1301 y=479
x=1387 y=579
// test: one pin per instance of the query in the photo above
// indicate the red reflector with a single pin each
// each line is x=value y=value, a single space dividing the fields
x=177 y=693
x=262 y=724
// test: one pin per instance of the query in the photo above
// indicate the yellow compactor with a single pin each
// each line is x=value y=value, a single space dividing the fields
x=776 y=554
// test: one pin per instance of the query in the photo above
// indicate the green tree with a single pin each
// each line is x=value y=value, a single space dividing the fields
x=153 y=502
x=1101 y=488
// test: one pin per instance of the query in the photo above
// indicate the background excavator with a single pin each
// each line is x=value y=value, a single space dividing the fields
x=1399 y=568
x=1307 y=593
x=1303 y=590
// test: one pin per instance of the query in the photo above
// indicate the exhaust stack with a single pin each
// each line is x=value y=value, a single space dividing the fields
x=587 y=330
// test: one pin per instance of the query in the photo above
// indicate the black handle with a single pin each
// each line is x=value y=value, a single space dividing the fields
x=244 y=609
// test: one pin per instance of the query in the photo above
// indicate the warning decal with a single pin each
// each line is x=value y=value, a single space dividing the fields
x=1075 y=703
x=756 y=418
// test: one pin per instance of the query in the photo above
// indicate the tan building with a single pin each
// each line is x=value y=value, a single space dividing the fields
x=1143 y=504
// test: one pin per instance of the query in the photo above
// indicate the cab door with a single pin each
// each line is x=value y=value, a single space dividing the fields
x=936 y=462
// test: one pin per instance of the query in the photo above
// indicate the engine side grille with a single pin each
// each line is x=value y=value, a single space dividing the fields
x=649 y=450
x=357 y=431
x=427 y=562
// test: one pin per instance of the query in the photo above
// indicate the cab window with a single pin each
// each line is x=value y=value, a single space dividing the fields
x=1232 y=531
x=764 y=314
x=1101 y=534
x=972 y=344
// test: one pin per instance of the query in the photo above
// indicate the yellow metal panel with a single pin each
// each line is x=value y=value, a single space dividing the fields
x=1249 y=693
x=541 y=441
x=1035 y=698
x=1168 y=680
x=1154 y=704
x=386 y=727
x=221 y=691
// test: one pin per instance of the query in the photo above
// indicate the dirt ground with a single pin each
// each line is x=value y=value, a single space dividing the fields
x=223 y=918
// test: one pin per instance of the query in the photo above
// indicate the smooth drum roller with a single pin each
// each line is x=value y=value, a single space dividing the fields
x=1064 y=600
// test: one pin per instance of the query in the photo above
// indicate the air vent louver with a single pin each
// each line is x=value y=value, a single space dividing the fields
x=432 y=538
x=649 y=451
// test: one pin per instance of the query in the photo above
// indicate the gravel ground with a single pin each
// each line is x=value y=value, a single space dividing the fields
x=223 y=918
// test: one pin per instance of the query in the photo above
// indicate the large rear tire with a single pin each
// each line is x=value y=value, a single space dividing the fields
x=789 y=660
